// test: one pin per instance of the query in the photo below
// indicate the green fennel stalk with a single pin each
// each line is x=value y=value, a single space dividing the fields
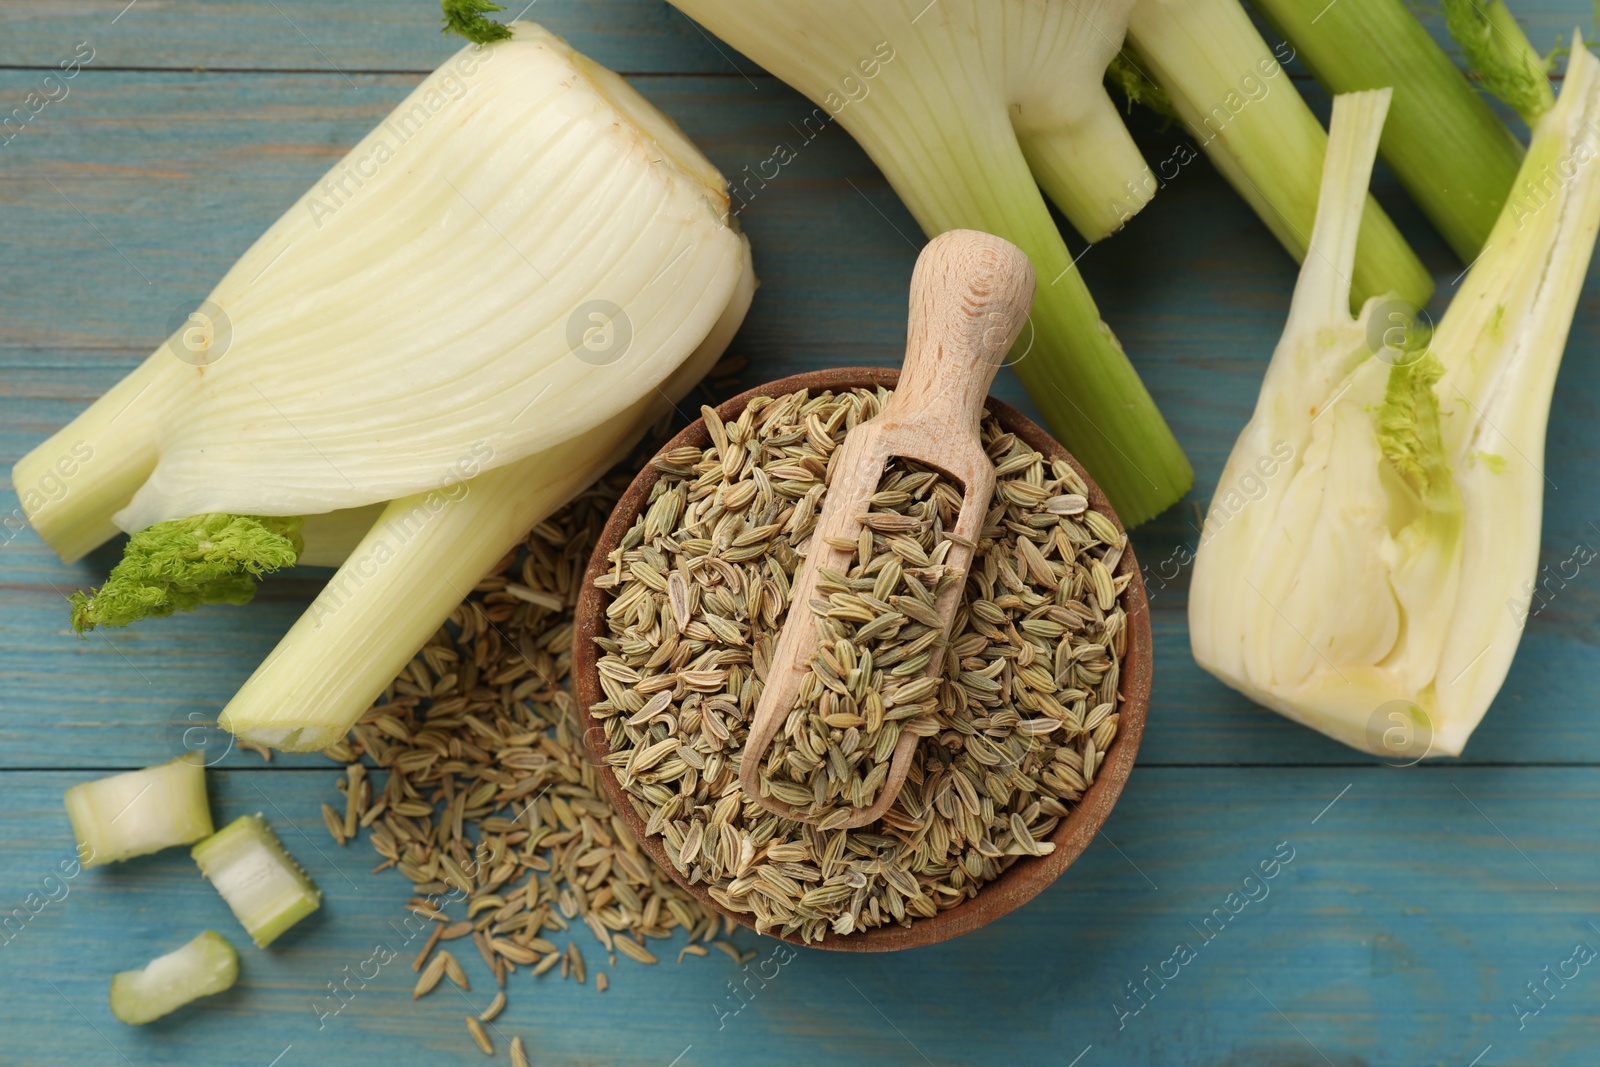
x=1501 y=56
x=1456 y=159
x=1229 y=89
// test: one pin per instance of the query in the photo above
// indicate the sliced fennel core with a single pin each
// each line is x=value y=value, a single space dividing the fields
x=969 y=107
x=204 y=967
x=266 y=889
x=140 y=812
x=1232 y=94
x=1373 y=592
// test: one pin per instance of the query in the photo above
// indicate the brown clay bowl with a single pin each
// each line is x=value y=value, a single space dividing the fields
x=1030 y=874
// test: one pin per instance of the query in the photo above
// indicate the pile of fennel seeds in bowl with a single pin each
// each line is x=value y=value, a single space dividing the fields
x=1024 y=711
x=878 y=631
x=472 y=780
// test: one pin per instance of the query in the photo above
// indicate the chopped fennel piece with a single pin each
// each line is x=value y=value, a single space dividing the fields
x=140 y=812
x=261 y=882
x=1377 y=591
x=205 y=966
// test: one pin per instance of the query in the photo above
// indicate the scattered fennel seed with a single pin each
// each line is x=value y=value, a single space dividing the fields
x=478 y=788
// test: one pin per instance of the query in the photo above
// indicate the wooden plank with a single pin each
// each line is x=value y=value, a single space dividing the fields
x=352 y=36
x=1399 y=927
x=1402 y=932
x=179 y=173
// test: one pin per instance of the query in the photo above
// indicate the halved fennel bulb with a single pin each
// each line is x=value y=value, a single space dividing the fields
x=1375 y=591
x=461 y=327
x=435 y=299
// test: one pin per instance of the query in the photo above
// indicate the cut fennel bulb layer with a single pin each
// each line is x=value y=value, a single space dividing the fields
x=140 y=812
x=204 y=966
x=969 y=107
x=1375 y=592
x=520 y=252
x=374 y=614
x=1242 y=109
x=263 y=885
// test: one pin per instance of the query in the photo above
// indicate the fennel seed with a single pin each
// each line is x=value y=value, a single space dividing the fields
x=335 y=824
x=1015 y=718
x=487 y=782
x=480 y=1036
x=427 y=947
x=429 y=977
x=453 y=971
x=579 y=969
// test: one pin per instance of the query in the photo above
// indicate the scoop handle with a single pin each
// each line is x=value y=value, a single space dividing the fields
x=970 y=294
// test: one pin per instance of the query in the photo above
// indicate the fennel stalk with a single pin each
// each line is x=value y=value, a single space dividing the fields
x=983 y=103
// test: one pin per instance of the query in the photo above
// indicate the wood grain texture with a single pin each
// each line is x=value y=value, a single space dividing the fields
x=1399 y=932
x=345 y=36
x=1414 y=910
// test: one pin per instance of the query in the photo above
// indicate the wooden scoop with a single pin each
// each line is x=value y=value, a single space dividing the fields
x=970 y=294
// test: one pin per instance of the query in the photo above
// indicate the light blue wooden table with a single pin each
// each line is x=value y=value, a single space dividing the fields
x=1416 y=906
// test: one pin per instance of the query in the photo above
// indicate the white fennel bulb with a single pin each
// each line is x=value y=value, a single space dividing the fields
x=1371 y=590
x=437 y=297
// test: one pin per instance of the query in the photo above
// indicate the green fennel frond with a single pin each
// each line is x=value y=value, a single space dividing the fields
x=1408 y=426
x=1501 y=56
x=1125 y=76
x=179 y=565
x=469 y=19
